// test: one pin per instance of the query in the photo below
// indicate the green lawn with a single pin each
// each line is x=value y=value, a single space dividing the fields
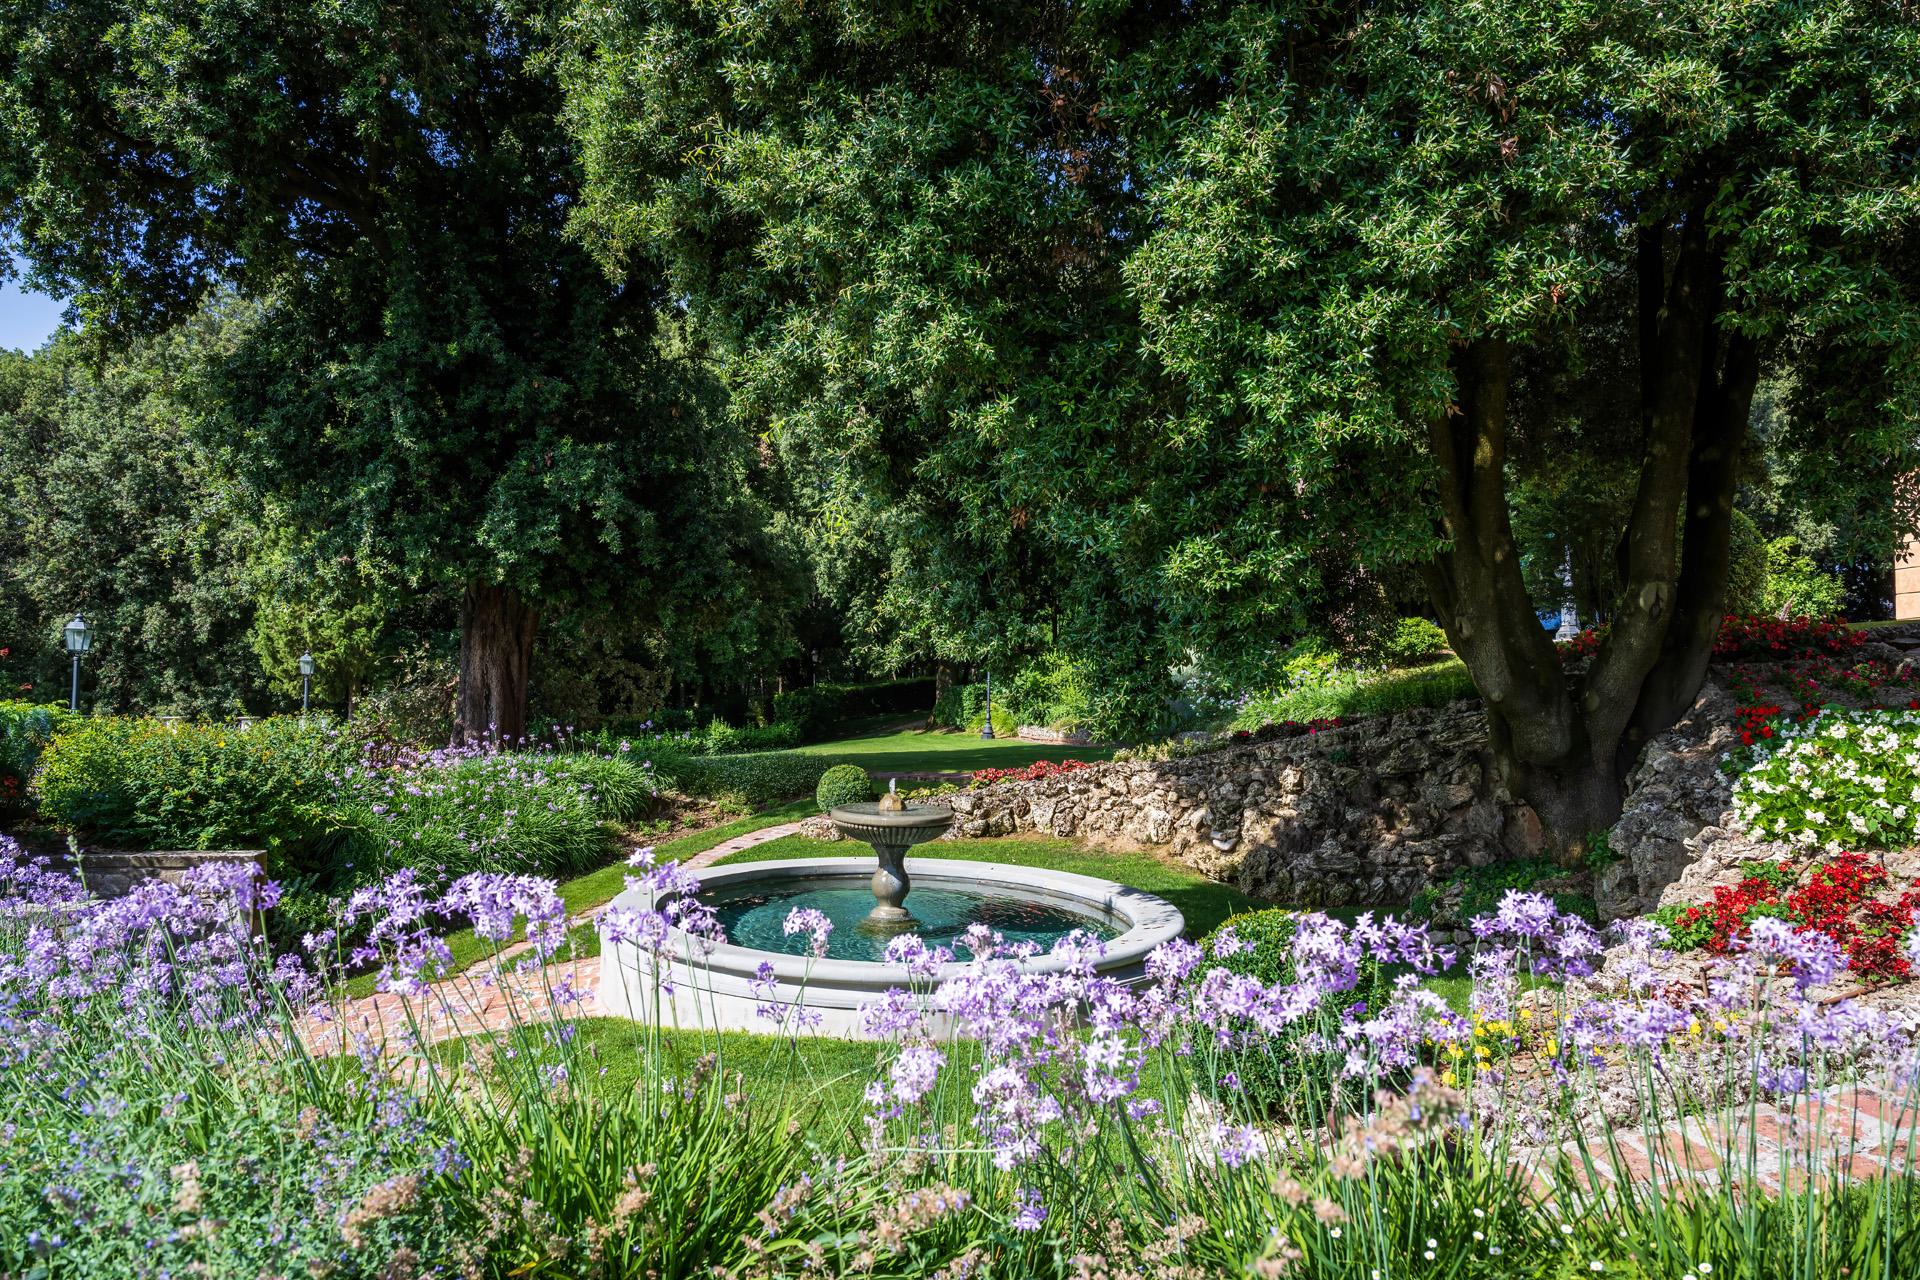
x=1204 y=903
x=944 y=751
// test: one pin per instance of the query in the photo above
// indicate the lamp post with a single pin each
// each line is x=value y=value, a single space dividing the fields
x=79 y=639
x=986 y=730
x=306 y=681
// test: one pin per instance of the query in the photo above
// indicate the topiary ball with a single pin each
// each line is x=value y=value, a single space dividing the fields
x=841 y=785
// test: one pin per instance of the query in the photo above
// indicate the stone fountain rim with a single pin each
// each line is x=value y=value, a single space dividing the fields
x=1151 y=920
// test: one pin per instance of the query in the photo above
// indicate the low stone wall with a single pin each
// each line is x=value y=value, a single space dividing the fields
x=1364 y=815
x=114 y=874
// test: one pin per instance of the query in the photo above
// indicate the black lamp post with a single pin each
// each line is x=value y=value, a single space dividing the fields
x=79 y=639
x=306 y=681
x=986 y=730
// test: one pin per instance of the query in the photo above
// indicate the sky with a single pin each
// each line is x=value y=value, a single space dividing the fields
x=26 y=318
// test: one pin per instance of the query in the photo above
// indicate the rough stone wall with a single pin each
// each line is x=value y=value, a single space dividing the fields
x=1364 y=815
x=114 y=874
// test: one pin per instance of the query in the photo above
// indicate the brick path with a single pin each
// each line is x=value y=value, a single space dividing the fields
x=1856 y=1132
x=489 y=997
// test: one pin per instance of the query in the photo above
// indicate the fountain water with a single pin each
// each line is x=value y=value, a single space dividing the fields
x=731 y=986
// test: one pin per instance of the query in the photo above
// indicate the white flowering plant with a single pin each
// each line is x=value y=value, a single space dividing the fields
x=1846 y=779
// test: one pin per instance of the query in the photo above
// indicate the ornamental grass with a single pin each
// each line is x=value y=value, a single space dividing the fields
x=181 y=1101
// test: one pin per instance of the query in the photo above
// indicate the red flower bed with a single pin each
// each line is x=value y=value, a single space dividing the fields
x=1032 y=773
x=1836 y=898
x=1771 y=639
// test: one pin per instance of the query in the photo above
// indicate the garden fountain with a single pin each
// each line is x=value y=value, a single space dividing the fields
x=733 y=985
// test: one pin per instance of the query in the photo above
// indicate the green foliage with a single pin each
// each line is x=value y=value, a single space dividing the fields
x=1412 y=640
x=842 y=785
x=817 y=710
x=117 y=509
x=1481 y=888
x=1796 y=587
x=25 y=730
x=1747 y=561
x=145 y=784
x=529 y=813
x=1357 y=695
x=1269 y=1078
x=753 y=780
x=1835 y=781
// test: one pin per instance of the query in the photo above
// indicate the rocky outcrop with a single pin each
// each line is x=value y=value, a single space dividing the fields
x=1363 y=815
x=1676 y=791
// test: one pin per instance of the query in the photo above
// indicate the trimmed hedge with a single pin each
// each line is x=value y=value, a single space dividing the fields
x=843 y=784
x=755 y=780
x=818 y=709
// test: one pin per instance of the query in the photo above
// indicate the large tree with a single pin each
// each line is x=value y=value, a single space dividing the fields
x=1224 y=307
x=439 y=379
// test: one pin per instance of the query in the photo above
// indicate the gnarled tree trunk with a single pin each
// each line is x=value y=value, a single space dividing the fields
x=1565 y=743
x=496 y=656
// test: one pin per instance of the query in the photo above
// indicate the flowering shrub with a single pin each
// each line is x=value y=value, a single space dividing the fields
x=1034 y=772
x=1844 y=778
x=1835 y=898
x=183 y=1102
x=1772 y=639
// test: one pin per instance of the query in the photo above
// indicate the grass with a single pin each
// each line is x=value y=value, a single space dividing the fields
x=1202 y=901
x=945 y=751
x=1437 y=684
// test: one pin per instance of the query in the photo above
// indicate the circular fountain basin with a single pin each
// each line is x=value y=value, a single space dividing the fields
x=716 y=989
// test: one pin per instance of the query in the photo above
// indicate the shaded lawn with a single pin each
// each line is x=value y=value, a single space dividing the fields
x=1203 y=902
x=596 y=887
x=945 y=751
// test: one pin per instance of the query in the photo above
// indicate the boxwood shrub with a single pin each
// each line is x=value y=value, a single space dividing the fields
x=842 y=784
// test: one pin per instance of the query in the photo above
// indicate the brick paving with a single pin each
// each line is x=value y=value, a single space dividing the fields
x=1853 y=1133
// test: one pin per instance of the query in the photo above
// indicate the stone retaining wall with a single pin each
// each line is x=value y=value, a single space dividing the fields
x=114 y=874
x=1364 y=815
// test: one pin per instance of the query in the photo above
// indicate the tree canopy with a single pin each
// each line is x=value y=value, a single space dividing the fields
x=1209 y=319
x=439 y=379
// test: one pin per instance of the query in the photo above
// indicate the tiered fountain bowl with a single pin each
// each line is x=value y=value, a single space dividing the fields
x=723 y=987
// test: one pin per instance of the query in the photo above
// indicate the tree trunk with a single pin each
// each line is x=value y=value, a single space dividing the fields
x=496 y=655
x=1565 y=743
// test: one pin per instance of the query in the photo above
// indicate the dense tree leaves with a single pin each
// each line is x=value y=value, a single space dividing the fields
x=111 y=509
x=440 y=380
x=1194 y=319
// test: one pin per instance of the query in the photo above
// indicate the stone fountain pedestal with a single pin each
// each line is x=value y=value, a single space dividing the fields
x=891 y=826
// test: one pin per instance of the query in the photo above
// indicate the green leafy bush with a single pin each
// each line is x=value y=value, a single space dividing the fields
x=25 y=730
x=1481 y=889
x=964 y=707
x=1841 y=780
x=842 y=784
x=1412 y=640
x=152 y=785
x=816 y=710
x=1746 y=567
x=1796 y=586
x=754 y=780
x=1357 y=695
x=1269 y=1073
x=524 y=812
